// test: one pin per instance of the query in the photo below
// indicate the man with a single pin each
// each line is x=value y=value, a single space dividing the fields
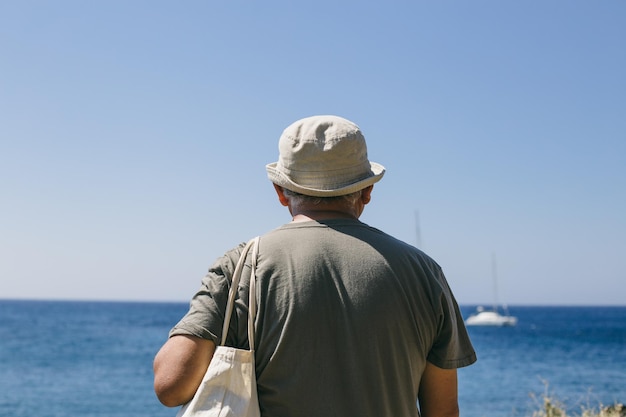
x=351 y=321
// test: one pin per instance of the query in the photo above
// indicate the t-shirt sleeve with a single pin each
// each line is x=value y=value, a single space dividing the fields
x=452 y=347
x=205 y=317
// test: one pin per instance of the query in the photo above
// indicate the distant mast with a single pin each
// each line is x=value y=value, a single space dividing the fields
x=418 y=231
x=494 y=275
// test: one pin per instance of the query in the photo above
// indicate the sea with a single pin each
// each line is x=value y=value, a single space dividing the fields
x=80 y=358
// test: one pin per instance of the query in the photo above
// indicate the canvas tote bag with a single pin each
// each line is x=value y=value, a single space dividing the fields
x=228 y=388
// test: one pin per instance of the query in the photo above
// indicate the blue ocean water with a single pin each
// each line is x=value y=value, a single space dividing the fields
x=95 y=359
x=574 y=354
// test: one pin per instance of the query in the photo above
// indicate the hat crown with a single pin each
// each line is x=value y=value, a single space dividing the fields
x=323 y=156
x=330 y=145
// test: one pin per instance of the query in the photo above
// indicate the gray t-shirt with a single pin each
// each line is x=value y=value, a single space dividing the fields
x=347 y=318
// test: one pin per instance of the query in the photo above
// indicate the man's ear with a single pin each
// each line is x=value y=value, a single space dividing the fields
x=366 y=194
x=281 y=195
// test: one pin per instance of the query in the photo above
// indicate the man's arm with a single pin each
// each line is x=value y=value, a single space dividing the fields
x=179 y=368
x=438 y=395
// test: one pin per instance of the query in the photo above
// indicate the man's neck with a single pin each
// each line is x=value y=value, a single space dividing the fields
x=316 y=215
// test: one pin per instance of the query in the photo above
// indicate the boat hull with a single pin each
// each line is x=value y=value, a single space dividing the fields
x=490 y=318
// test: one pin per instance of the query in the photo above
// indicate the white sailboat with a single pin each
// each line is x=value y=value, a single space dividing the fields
x=485 y=317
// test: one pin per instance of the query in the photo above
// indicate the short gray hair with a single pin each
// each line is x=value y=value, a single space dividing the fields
x=320 y=201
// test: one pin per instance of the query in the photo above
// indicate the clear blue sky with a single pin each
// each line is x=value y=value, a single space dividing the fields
x=134 y=137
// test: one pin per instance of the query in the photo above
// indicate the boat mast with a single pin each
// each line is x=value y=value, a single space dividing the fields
x=494 y=275
x=418 y=231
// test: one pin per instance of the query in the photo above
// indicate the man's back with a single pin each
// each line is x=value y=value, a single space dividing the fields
x=347 y=317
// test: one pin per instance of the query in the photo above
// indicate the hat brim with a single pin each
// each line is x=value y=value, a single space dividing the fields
x=280 y=179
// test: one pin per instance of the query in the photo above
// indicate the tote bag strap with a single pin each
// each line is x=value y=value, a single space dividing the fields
x=252 y=307
x=234 y=286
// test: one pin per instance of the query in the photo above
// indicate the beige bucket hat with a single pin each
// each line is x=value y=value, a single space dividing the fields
x=323 y=156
